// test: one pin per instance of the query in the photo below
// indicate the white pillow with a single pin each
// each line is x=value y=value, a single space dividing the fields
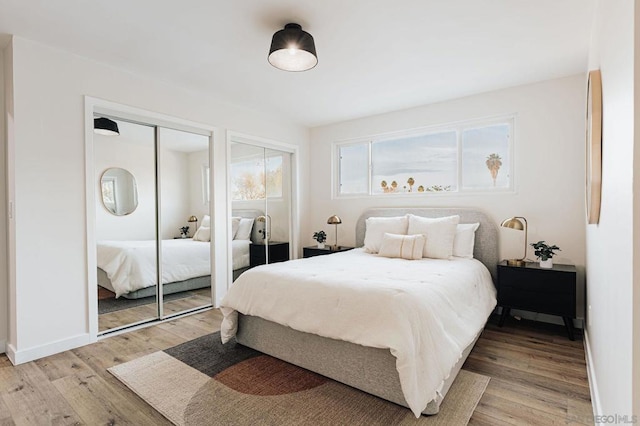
x=203 y=234
x=439 y=232
x=408 y=247
x=465 y=240
x=244 y=229
x=376 y=227
x=206 y=221
x=235 y=225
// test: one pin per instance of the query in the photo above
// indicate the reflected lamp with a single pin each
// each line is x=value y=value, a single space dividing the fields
x=193 y=219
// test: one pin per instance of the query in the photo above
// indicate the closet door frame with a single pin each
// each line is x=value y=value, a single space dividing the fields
x=216 y=206
x=294 y=223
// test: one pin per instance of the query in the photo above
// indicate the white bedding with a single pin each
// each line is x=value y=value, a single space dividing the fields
x=425 y=311
x=240 y=253
x=131 y=265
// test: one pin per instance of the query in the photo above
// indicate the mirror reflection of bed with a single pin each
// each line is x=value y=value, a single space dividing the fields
x=127 y=249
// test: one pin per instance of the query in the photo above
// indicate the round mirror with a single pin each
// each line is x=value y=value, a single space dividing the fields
x=119 y=191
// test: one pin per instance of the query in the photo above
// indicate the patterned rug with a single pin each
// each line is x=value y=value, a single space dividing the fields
x=203 y=382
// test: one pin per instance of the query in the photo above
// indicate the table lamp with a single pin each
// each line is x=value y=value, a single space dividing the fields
x=335 y=220
x=191 y=220
x=516 y=223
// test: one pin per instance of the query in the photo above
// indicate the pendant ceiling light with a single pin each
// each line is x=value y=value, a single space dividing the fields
x=104 y=126
x=293 y=49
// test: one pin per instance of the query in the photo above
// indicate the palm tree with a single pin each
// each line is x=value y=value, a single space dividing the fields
x=384 y=186
x=410 y=181
x=493 y=164
x=394 y=185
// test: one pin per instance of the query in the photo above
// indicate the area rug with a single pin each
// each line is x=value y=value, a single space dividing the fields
x=111 y=304
x=202 y=382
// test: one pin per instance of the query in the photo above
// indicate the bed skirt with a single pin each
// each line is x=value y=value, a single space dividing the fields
x=169 y=288
x=371 y=370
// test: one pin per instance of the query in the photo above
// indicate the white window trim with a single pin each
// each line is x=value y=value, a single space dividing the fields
x=458 y=127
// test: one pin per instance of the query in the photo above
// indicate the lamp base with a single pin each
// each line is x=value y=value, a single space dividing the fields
x=516 y=262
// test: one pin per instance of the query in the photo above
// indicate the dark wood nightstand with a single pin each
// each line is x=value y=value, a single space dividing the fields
x=315 y=251
x=278 y=252
x=531 y=288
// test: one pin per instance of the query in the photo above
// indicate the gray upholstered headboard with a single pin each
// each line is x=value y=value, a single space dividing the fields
x=486 y=248
x=250 y=213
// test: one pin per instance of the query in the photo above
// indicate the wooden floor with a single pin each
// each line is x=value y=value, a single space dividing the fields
x=537 y=376
x=194 y=299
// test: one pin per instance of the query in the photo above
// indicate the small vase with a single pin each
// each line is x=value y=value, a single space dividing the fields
x=546 y=264
x=320 y=245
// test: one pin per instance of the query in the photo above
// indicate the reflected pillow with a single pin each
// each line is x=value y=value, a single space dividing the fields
x=439 y=232
x=235 y=225
x=465 y=240
x=206 y=221
x=376 y=227
x=244 y=229
x=203 y=234
x=408 y=247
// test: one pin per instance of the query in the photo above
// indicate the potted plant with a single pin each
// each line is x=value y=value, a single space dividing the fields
x=545 y=253
x=320 y=237
x=184 y=232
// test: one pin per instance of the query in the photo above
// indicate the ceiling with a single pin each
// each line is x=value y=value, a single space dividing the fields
x=374 y=56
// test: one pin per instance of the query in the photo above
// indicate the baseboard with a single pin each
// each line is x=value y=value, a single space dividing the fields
x=37 y=352
x=591 y=376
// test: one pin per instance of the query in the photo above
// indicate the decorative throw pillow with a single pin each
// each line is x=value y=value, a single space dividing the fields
x=244 y=229
x=439 y=232
x=203 y=234
x=376 y=227
x=235 y=225
x=464 y=240
x=206 y=221
x=408 y=247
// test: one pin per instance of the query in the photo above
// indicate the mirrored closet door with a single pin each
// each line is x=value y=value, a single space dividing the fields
x=260 y=191
x=152 y=221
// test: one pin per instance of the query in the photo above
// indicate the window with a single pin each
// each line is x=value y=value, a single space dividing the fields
x=254 y=179
x=459 y=158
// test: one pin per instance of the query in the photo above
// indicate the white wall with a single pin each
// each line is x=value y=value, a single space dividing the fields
x=197 y=205
x=3 y=213
x=612 y=254
x=51 y=273
x=549 y=168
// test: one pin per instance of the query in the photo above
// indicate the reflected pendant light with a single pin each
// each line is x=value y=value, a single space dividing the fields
x=104 y=126
x=293 y=49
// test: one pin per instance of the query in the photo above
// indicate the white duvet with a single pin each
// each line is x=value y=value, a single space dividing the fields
x=131 y=265
x=425 y=311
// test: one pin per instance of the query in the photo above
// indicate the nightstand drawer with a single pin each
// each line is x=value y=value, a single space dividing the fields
x=538 y=281
x=562 y=304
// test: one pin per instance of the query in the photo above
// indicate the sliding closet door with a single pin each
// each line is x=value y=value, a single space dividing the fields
x=125 y=184
x=185 y=224
x=260 y=190
x=277 y=171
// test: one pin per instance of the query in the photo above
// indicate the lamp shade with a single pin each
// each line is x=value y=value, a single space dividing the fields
x=104 y=126
x=334 y=220
x=193 y=219
x=293 y=49
x=513 y=223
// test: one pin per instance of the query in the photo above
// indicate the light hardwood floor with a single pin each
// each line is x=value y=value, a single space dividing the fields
x=537 y=377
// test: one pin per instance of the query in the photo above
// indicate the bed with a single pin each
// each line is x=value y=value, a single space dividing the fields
x=385 y=350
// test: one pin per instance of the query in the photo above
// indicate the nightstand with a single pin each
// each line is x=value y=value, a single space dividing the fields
x=315 y=251
x=278 y=252
x=531 y=288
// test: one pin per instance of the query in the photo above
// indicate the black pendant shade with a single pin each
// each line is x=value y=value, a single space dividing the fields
x=293 y=49
x=104 y=126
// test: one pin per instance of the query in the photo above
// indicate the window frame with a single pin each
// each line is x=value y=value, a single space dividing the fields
x=458 y=128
